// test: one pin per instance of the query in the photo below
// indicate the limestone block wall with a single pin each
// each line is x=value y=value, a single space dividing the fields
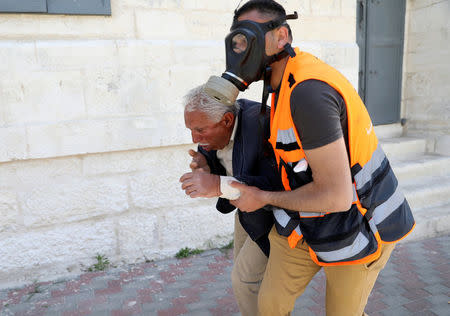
x=426 y=75
x=58 y=213
x=92 y=138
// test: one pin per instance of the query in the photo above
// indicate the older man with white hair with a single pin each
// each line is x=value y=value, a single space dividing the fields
x=231 y=147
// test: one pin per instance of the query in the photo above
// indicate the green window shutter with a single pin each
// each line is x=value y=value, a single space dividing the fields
x=85 y=7
x=23 y=6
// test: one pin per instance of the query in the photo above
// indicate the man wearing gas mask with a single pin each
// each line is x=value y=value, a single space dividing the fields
x=341 y=207
x=230 y=147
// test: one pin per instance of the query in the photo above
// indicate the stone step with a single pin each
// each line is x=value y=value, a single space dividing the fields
x=424 y=179
x=431 y=222
x=389 y=130
x=398 y=147
x=425 y=192
x=410 y=169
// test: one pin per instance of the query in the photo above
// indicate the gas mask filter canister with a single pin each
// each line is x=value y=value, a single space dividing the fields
x=246 y=59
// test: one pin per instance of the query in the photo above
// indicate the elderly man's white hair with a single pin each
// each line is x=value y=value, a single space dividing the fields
x=198 y=100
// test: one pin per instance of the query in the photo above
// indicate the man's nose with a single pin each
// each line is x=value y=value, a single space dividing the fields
x=195 y=137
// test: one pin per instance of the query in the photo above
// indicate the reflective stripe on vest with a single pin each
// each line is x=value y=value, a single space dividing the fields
x=382 y=211
x=281 y=217
x=394 y=202
x=352 y=250
x=286 y=140
x=366 y=173
x=343 y=238
x=286 y=224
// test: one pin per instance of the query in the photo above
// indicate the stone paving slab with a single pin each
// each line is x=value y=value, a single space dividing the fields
x=416 y=281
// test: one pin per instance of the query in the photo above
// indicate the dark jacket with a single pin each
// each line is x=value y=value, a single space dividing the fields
x=253 y=164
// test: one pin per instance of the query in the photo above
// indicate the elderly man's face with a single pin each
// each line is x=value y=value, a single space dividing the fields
x=208 y=134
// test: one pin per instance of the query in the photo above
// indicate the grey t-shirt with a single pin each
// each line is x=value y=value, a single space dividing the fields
x=319 y=114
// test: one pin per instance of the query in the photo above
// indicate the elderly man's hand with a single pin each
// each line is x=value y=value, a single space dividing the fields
x=198 y=161
x=200 y=183
x=251 y=198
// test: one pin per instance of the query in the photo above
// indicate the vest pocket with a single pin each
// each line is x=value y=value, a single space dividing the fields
x=296 y=179
x=362 y=244
x=339 y=237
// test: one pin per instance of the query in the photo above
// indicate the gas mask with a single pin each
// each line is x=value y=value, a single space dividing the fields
x=246 y=59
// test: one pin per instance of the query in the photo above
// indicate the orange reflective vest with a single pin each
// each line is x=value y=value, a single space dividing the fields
x=379 y=212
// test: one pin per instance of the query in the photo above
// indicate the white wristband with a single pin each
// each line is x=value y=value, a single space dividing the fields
x=228 y=192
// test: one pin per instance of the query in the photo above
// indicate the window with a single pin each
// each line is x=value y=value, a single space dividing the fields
x=82 y=7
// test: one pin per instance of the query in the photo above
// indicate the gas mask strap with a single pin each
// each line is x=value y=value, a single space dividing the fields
x=288 y=49
x=265 y=95
x=293 y=16
x=262 y=114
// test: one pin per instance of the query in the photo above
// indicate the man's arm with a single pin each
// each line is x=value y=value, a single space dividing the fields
x=319 y=114
x=330 y=190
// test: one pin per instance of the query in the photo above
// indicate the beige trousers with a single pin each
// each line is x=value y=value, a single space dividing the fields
x=248 y=270
x=289 y=271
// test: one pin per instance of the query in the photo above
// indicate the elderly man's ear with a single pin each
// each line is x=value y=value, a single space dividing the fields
x=228 y=119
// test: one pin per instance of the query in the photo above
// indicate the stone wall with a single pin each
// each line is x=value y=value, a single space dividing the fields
x=426 y=78
x=92 y=138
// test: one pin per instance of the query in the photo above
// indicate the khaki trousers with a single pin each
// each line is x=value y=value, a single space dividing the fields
x=248 y=270
x=289 y=271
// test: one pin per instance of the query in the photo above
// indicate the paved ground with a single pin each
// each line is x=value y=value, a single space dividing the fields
x=416 y=281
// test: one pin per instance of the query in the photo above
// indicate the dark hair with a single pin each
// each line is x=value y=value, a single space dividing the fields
x=268 y=8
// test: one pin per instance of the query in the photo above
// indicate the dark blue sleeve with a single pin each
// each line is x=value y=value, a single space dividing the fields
x=264 y=174
x=267 y=177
